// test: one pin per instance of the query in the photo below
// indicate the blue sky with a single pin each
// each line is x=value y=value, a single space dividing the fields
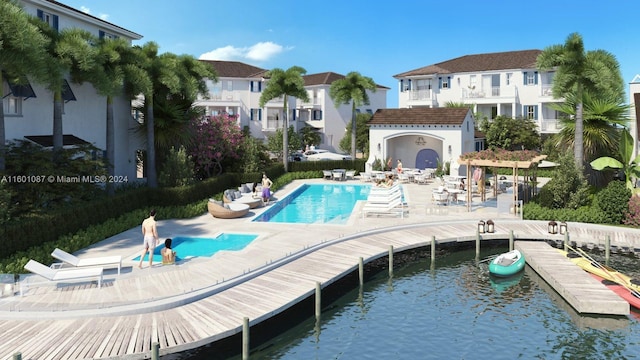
x=376 y=38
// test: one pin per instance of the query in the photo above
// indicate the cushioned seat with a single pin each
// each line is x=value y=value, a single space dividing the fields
x=227 y=211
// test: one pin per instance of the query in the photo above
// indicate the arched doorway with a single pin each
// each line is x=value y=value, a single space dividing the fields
x=427 y=158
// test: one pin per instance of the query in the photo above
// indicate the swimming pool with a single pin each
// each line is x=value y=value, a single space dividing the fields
x=202 y=247
x=316 y=204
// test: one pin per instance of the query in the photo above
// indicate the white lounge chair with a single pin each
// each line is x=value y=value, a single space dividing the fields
x=56 y=275
x=327 y=174
x=105 y=261
x=349 y=174
x=393 y=207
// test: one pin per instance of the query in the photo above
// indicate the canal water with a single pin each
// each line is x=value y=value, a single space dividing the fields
x=453 y=309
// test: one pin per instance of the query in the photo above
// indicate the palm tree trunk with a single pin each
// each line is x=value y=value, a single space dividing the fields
x=57 y=124
x=353 y=130
x=578 y=149
x=3 y=135
x=285 y=138
x=152 y=177
x=110 y=143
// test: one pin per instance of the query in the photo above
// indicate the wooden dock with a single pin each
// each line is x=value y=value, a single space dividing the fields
x=585 y=294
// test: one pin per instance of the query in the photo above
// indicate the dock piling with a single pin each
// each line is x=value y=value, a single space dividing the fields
x=433 y=249
x=245 y=338
x=607 y=249
x=17 y=356
x=155 y=351
x=511 y=238
x=361 y=271
x=390 y=260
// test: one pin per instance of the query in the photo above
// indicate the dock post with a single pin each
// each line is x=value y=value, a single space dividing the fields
x=318 y=300
x=511 y=240
x=361 y=271
x=390 y=260
x=433 y=249
x=477 y=244
x=155 y=351
x=566 y=241
x=17 y=356
x=607 y=249
x=245 y=338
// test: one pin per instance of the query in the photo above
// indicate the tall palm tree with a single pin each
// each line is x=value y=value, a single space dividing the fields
x=285 y=83
x=22 y=53
x=578 y=71
x=352 y=89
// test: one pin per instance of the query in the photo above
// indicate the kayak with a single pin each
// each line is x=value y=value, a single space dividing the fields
x=622 y=291
x=507 y=264
x=603 y=271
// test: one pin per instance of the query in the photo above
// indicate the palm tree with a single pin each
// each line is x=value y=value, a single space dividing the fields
x=630 y=167
x=22 y=53
x=285 y=83
x=578 y=71
x=352 y=89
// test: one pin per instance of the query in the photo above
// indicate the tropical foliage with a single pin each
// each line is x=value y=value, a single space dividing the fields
x=177 y=169
x=567 y=188
x=630 y=168
x=352 y=89
x=362 y=135
x=275 y=142
x=309 y=136
x=511 y=134
x=501 y=155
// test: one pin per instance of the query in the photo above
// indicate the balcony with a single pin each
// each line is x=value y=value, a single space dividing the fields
x=273 y=123
x=421 y=97
x=550 y=126
x=313 y=103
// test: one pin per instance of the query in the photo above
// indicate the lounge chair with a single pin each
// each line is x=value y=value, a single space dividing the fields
x=349 y=174
x=227 y=211
x=393 y=207
x=327 y=174
x=230 y=197
x=56 y=275
x=106 y=261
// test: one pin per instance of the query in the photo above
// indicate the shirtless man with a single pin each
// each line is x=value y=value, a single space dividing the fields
x=150 y=235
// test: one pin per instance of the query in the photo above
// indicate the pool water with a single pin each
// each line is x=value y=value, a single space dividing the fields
x=202 y=247
x=316 y=204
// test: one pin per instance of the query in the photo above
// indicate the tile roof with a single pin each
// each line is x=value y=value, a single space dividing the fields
x=419 y=116
x=326 y=78
x=235 y=69
x=523 y=59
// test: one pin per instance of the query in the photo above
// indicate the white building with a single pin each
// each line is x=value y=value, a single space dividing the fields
x=634 y=98
x=28 y=110
x=421 y=137
x=240 y=86
x=505 y=83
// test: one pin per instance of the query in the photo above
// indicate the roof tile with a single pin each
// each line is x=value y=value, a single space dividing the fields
x=419 y=116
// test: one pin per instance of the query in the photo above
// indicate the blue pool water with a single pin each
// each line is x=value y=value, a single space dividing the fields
x=193 y=246
x=316 y=204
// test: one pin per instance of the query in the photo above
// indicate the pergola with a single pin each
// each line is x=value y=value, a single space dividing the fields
x=516 y=165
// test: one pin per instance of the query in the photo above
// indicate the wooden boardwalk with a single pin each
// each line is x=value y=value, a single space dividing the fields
x=202 y=301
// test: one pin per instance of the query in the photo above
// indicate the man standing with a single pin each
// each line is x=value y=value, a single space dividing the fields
x=150 y=236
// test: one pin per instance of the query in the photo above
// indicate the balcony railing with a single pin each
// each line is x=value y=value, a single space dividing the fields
x=491 y=92
x=426 y=94
x=550 y=125
x=274 y=124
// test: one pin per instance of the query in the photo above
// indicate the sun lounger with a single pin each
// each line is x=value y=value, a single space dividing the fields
x=384 y=198
x=57 y=275
x=106 y=261
x=393 y=207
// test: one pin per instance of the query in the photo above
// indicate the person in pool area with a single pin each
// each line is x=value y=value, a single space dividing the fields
x=266 y=188
x=168 y=255
x=399 y=167
x=150 y=237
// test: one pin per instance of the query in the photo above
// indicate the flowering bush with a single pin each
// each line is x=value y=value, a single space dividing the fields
x=216 y=138
x=501 y=155
x=633 y=216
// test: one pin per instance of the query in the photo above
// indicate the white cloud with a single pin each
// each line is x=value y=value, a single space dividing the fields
x=261 y=51
x=86 y=10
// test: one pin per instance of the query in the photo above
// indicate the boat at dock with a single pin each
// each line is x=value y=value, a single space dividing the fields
x=507 y=264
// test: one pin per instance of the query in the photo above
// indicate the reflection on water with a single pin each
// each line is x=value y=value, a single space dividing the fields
x=453 y=309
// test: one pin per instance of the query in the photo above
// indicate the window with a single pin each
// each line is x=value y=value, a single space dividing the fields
x=531 y=112
x=509 y=78
x=229 y=85
x=256 y=86
x=317 y=115
x=256 y=114
x=530 y=78
x=444 y=82
x=215 y=90
x=106 y=35
x=473 y=82
x=49 y=18
x=369 y=111
x=12 y=106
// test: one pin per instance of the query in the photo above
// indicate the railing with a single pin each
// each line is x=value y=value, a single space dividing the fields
x=421 y=95
x=274 y=124
x=550 y=125
x=492 y=92
x=546 y=90
x=312 y=101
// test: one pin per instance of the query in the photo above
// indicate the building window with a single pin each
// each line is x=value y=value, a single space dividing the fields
x=256 y=114
x=49 y=18
x=106 y=35
x=530 y=78
x=531 y=112
x=509 y=78
x=229 y=85
x=369 y=111
x=215 y=91
x=444 y=82
x=317 y=115
x=256 y=86
x=12 y=106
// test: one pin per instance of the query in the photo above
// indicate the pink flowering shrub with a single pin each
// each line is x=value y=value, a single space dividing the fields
x=633 y=215
x=216 y=139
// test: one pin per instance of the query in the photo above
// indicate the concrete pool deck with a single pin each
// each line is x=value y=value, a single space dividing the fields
x=205 y=299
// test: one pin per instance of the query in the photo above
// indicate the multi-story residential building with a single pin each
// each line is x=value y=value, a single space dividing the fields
x=28 y=110
x=505 y=83
x=240 y=86
x=634 y=98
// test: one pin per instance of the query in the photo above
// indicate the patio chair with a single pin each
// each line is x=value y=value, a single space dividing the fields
x=349 y=174
x=230 y=197
x=441 y=198
x=227 y=211
x=393 y=207
x=106 y=261
x=58 y=275
x=327 y=174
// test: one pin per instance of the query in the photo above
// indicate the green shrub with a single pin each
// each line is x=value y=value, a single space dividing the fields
x=177 y=169
x=567 y=188
x=613 y=201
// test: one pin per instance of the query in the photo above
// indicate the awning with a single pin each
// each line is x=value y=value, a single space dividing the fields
x=67 y=93
x=21 y=89
x=47 y=140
